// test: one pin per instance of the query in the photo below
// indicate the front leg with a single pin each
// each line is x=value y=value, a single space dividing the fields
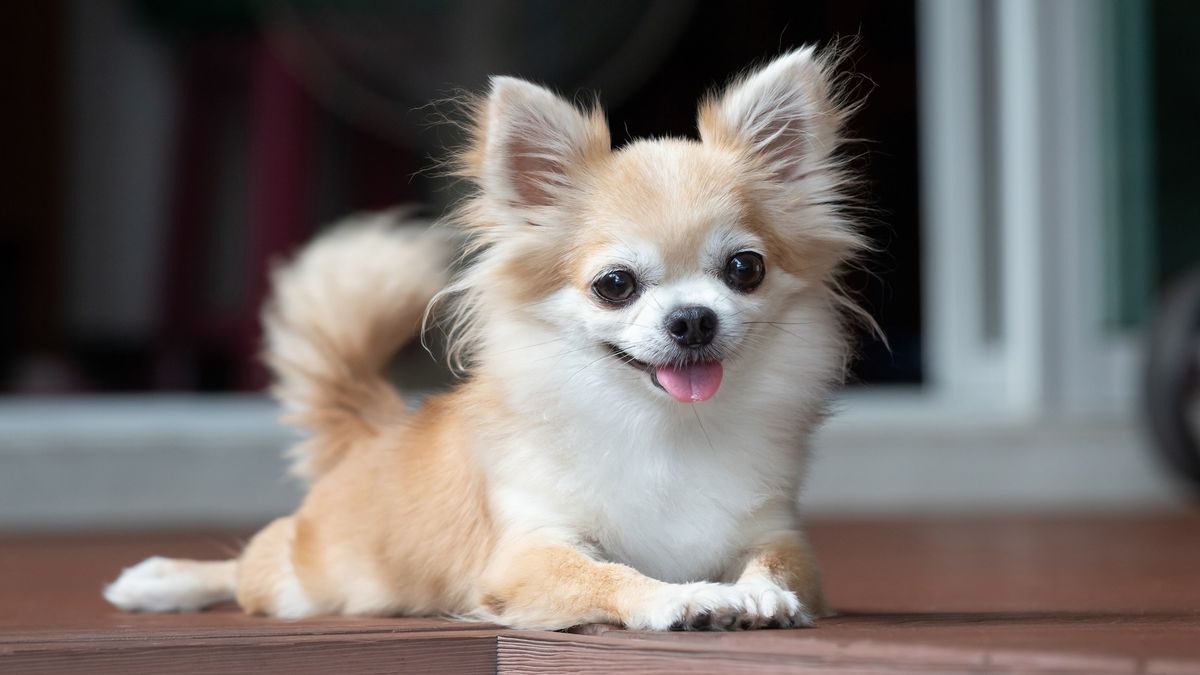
x=784 y=563
x=548 y=584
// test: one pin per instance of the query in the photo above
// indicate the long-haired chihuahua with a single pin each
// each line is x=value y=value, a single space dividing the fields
x=651 y=335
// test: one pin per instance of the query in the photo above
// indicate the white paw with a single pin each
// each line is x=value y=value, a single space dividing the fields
x=158 y=585
x=710 y=606
x=773 y=607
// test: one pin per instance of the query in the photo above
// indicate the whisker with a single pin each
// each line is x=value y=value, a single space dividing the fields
x=705 y=431
x=564 y=353
x=798 y=337
x=589 y=365
x=539 y=344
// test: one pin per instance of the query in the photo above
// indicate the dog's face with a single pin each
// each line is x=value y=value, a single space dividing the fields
x=673 y=268
x=665 y=260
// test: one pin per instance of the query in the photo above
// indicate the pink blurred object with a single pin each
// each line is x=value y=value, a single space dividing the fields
x=280 y=156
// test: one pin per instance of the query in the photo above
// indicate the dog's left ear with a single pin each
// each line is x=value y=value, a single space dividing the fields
x=784 y=115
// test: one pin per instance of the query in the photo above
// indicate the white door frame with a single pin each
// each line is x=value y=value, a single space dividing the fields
x=1011 y=133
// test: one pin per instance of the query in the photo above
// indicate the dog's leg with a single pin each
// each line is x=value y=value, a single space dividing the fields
x=786 y=562
x=171 y=585
x=267 y=578
x=551 y=585
x=263 y=581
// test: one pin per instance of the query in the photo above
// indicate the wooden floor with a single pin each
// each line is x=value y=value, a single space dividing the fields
x=1067 y=595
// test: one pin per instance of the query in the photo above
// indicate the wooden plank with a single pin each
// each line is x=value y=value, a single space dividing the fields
x=423 y=652
x=796 y=651
x=530 y=656
x=226 y=623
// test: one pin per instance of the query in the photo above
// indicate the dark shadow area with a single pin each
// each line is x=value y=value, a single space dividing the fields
x=164 y=153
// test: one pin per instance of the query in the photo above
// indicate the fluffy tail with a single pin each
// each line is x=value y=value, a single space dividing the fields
x=340 y=310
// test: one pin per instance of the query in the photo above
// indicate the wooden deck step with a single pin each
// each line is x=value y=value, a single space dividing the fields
x=1065 y=595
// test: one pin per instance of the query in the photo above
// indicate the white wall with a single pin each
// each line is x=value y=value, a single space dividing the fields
x=190 y=460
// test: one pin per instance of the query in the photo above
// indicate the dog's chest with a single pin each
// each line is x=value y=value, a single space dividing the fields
x=675 y=507
x=680 y=534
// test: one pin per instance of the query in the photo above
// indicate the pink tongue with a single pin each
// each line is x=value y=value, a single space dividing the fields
x=689 y=384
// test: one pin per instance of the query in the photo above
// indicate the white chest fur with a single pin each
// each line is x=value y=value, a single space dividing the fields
x=677 y=509
x=676 y=497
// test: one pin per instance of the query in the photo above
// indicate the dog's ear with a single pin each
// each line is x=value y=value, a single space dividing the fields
x=785 y=115
x=530 y=143
x=787 y=119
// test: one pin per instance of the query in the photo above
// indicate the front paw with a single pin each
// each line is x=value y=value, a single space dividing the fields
x=710 y=606
x=774 y=607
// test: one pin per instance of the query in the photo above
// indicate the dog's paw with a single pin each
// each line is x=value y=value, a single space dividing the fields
x=710 y=606
x=161 y=585
x=773 y=607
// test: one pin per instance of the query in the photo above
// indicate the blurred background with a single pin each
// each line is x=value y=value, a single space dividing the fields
x=1032 y=168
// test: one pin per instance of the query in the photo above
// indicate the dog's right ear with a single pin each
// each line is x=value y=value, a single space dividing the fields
x=529 y=143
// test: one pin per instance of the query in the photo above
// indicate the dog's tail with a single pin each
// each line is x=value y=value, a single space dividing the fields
x=340 y=310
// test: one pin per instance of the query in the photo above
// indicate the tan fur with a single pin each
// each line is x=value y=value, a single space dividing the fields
x=264 y=566
x=552 y=586
x=651 y=185
x=788 y=561
x=419 y=478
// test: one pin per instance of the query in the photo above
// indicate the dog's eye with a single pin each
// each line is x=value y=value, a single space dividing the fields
x=616 y=286
x=745 y=271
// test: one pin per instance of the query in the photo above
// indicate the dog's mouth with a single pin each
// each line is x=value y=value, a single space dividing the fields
x=689 y=382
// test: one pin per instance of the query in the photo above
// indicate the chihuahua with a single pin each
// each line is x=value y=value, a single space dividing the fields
x=651 y=335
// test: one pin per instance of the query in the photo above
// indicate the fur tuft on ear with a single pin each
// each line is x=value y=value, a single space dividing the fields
x=529 y=144
x=786 y=115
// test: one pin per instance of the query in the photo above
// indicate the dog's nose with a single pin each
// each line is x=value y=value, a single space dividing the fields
x=692 y=326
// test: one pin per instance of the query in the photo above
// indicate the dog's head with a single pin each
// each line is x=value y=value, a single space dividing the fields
x=667 y=260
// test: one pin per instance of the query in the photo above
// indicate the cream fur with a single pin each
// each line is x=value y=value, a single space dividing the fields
x=558 y=485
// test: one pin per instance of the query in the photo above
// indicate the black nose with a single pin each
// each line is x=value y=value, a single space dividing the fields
x=692 y=326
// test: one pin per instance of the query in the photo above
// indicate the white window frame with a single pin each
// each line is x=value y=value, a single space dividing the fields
x=1054 y=356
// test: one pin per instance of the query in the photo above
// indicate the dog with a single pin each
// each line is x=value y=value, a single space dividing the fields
x=651 y=335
